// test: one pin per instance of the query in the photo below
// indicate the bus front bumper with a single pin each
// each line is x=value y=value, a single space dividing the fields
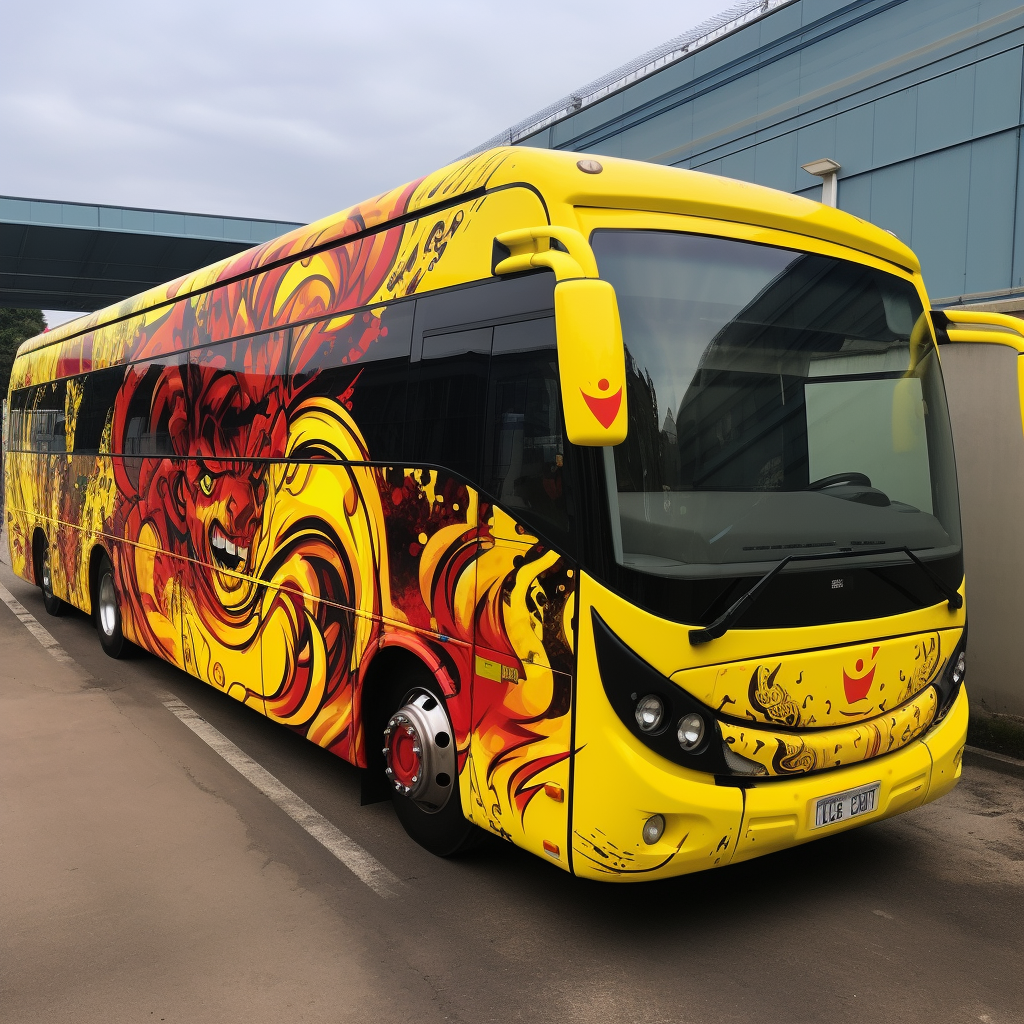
x=709 y=825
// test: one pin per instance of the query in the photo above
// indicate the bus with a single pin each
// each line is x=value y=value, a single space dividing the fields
x=605 y=507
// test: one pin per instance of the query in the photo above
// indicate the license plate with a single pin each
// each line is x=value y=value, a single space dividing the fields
x=831 y=810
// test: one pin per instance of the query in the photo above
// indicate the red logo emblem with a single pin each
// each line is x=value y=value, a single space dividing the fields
x=857 y=687
x=604 y=409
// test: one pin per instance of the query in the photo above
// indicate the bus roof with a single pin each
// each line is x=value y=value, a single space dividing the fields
x=555 y=175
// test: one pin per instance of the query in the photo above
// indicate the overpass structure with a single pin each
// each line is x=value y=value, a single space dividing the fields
x=79 y=256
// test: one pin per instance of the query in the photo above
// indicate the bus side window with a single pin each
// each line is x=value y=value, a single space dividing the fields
x=153 y=392
x=446 y=401
x=365 y=365
x=238 y=397
x=43 y=422
x=16 y=441
x=96 y=409
x=524 y=443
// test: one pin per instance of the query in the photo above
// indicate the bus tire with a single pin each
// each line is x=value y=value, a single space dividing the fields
x=421 y=766
x=107 y=611
x=53 y=604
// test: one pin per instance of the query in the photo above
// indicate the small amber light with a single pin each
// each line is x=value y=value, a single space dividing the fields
x=550 y=849
x=555 y=792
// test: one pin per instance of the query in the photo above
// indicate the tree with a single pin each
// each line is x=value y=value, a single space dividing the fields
x=16 y=325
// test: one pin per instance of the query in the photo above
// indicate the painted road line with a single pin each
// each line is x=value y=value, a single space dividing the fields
x=362 y=864
x=33 y=625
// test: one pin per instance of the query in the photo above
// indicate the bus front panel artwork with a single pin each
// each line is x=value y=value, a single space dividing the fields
x=335 y=477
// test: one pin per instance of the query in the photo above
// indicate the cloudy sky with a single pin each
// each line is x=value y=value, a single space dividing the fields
x=287 y=110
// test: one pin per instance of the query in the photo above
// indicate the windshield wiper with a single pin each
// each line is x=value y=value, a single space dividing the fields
x=724 y=622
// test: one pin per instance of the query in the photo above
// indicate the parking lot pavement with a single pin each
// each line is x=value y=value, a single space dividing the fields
x=144 y=878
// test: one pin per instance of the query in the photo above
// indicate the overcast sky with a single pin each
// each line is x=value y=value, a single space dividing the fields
x=287 y=110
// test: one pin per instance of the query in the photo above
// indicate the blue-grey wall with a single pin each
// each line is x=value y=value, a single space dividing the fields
x=919 y=100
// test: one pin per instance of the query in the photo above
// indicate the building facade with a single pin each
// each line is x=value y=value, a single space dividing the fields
x=918 y=101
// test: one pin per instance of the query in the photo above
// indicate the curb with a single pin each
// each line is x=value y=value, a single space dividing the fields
x=994 y=762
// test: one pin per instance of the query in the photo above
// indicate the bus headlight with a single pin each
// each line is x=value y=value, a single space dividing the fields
x=650 y=712
x=948 y=686
x=960 y=669
x=690 y=732
x=653 y=706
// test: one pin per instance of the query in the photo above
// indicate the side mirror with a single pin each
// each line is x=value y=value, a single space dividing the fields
x=591 y=362
x=591 y=356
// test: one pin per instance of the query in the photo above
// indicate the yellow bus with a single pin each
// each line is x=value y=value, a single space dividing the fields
x=606 y=507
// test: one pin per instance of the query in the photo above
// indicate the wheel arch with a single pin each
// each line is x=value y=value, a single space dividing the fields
x=39 y=538
x=389 y=660
x=95 y=557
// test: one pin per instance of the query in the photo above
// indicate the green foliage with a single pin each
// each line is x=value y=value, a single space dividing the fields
x=15 y=326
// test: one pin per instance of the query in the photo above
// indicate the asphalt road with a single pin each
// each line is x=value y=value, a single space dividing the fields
x=142 y=878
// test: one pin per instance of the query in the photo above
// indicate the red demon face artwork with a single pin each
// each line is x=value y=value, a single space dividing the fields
x=258 y=543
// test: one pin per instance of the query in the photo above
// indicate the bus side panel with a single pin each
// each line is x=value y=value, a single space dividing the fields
x=523 y=690
x=431 y=531
x=82 y=500
x=23 y=484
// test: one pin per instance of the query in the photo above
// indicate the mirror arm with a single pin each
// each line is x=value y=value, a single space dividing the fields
x=969 y=325
x=531 y=247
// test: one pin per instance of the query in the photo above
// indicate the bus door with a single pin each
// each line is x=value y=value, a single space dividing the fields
x=523 y=664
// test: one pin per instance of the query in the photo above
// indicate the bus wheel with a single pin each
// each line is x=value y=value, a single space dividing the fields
x=421 y=767
x=107 y=612
x=53 y=604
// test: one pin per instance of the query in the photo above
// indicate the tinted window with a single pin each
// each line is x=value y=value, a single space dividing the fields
x=238 y=398
x=151 y=412
x=365 y=366
x=502 y=298
x=524 y=447
x=446 y=401
x=96 y=409
x=43 y=418
x=16 y=421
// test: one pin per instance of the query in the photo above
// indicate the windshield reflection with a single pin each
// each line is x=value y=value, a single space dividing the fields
x=780 y=403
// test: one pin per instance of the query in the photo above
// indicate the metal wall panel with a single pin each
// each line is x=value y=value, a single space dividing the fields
x=997 y=91
x=919 y=101
x=945 y=110
x=895 y=131
x=990 y=212
x=892 y=199
x=939 y=232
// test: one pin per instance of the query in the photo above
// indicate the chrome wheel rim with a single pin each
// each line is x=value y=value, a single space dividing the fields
x=419 y=751
x=108 y=605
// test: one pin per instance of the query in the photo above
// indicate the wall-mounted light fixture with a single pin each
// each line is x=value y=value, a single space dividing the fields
x=827 y=170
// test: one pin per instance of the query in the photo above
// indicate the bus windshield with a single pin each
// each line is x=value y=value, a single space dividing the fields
x=780 y=403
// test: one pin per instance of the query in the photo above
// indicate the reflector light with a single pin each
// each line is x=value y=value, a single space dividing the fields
x=654 y=828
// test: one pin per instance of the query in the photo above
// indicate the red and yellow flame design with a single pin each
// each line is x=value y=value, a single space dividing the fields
x=335 y=559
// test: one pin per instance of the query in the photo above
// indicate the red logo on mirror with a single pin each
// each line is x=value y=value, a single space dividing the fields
x=604 y=409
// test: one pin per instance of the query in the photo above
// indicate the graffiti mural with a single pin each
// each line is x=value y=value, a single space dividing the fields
x=259 y=543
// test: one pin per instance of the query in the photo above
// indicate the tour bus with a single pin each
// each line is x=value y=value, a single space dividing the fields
x=606 y=507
